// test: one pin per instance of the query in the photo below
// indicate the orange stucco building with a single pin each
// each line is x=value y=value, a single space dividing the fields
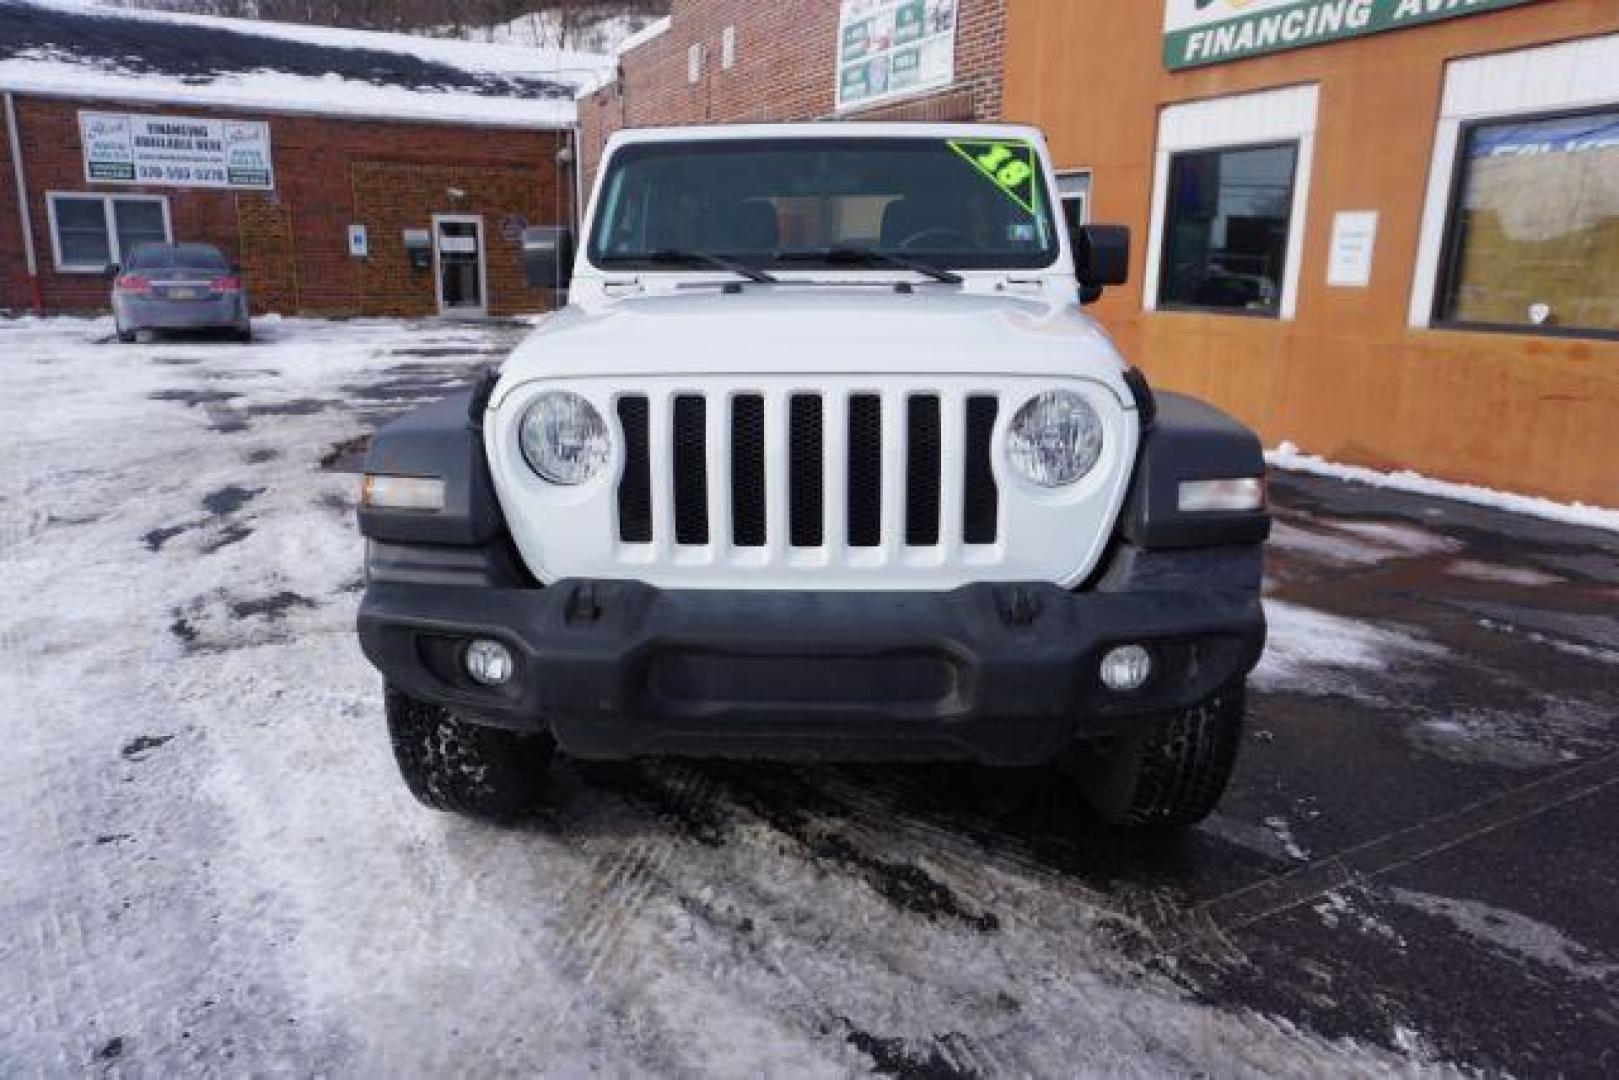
x=1398 y=249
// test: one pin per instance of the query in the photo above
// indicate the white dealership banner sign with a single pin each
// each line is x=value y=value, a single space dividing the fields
x=1198 y=32
x=175 y=151
x=890 y=48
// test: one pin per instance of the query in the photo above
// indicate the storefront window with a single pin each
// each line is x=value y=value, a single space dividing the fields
x=1534 y=234
x=1226 y=227
x=91 y=231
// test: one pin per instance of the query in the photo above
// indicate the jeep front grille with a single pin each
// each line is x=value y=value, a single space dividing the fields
x=819 y=482
x=810 y=483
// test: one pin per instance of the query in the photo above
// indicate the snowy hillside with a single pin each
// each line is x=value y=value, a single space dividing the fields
x=72 y=47
x=551 y=30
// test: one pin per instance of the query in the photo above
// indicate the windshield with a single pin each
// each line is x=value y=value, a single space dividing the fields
x=807 y=203
x=177 y=257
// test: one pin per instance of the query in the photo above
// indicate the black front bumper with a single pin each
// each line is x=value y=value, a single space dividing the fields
x=1002 y=674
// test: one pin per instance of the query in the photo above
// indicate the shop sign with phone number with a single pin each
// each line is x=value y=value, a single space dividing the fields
x=176 y=151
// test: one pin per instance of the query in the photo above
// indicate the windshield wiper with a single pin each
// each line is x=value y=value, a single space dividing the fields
x=676 y=257
x=863 y=256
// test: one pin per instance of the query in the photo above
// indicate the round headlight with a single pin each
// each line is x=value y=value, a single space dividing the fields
x=1055 y=439
x=564 y=438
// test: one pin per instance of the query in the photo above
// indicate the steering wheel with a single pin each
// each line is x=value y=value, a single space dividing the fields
x=937 y=232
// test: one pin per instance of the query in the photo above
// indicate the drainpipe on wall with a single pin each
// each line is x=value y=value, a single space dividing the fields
x=577 y=210
x=29 y=258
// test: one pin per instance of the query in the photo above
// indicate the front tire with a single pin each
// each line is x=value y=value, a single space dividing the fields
x=465 y=768
x=1173 y=777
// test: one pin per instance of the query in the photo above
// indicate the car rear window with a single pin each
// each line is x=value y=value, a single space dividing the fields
x=178 y=257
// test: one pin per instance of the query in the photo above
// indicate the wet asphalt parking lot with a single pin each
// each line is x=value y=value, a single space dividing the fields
x=1415 y=866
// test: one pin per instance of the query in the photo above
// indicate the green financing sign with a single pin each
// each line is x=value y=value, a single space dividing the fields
x=1199 y=32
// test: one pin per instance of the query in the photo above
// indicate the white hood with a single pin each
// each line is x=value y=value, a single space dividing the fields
x=819 y=329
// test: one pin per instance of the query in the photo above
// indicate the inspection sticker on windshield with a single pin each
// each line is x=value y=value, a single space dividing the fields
x=1010 y=166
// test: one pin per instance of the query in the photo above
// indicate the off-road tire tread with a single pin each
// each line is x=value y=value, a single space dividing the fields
x=464 y=768
x=1181 y=772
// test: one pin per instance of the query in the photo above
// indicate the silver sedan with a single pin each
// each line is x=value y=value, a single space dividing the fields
x=178 y=287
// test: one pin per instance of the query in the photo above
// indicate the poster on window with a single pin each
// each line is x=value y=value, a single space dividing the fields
x=888 y=48
x=175 y=151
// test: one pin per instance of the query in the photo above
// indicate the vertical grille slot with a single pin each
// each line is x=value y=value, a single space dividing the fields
x=922 y=472
x=805 y=471
x=748 y=471
x=865 y=471
x=690 y=469
x=981 y=503
x=635 y=489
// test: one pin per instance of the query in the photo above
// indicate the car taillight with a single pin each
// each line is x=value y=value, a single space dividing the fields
x=226 y=284
x=133 y=283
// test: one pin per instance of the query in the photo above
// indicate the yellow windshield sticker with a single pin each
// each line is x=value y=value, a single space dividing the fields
x=1010 y=166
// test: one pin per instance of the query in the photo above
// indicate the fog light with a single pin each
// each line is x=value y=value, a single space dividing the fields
x=1126 y=668
x=488 y=662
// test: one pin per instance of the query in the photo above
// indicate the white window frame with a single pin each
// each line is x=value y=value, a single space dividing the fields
x=1090 y=191
x=116 y=255
x=728 y=48
x=694 y=64
x=1270 y=117
x=1565 y=77
x=481 y=311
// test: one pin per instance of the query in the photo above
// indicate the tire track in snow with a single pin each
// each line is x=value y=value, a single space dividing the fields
x=614 y=890
x=681 y=795
x=843 y=833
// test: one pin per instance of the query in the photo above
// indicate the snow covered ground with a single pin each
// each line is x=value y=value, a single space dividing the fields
x=208 y=863
x=1288 y=456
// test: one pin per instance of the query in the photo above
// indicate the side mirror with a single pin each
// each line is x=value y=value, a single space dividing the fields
x=1101 y=258
x=112 y=270
x=548 y=256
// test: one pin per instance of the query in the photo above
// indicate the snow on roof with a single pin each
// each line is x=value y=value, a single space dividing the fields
x=647 y=33
x=69 y=47
x=644 y=35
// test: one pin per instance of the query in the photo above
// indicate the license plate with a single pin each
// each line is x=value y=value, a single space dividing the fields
x=183 y=294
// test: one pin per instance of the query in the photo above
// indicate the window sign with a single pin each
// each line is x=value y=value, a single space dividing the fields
x=175 y=151
x=1010 y=166
x=1533 y=240
x=889 y=48
x=1354 y=240
x=1198 y=32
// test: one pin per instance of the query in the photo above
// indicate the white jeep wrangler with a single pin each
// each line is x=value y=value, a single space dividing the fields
x=822 y=460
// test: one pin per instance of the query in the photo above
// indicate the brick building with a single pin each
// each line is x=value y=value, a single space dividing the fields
x=1384 y=230
x=736 y=61
x=347 y=173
